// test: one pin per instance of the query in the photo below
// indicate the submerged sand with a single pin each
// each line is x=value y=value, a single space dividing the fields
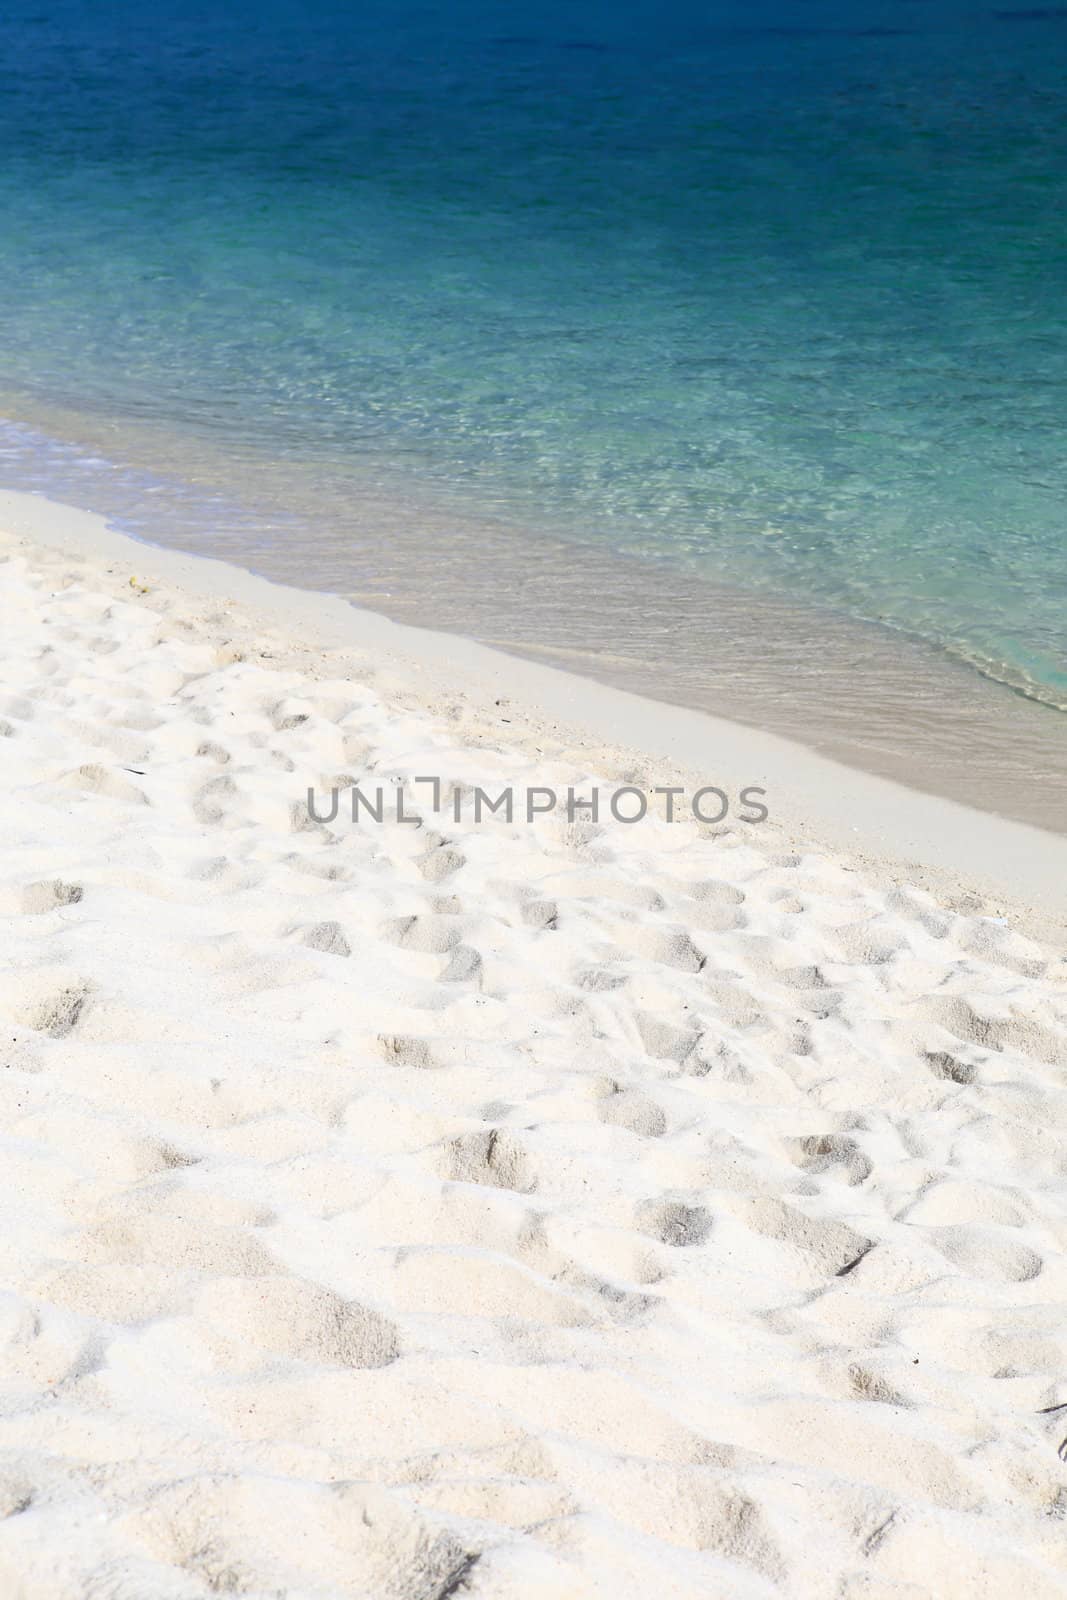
x=495 y=1210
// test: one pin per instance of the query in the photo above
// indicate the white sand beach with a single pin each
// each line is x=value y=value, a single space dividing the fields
x=562 y=1210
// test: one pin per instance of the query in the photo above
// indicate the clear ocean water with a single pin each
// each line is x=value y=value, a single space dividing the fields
x=764 y=295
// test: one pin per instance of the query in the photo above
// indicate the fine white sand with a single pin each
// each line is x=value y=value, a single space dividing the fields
x=502 y=1211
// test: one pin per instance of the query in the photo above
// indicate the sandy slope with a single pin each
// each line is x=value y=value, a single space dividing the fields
x=493 y=1211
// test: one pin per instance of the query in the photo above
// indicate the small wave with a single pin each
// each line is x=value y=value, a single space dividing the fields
x=1011 y=677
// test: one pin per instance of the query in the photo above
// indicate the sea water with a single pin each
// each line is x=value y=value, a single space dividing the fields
x=760 y=298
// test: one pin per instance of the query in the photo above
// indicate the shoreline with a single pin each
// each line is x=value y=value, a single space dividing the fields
x=862 y=693
x=888 y=828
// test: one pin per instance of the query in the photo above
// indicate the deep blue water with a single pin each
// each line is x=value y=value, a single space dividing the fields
x=775 y=291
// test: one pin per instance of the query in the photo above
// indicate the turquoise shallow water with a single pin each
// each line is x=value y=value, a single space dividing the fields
x=772 y=293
